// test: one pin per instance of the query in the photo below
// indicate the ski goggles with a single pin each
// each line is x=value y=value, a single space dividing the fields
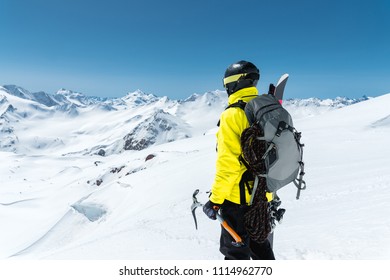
x=243 y=76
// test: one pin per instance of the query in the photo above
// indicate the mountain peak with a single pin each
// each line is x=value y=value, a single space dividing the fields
x=17 y=91
x=139 y=97
x=68 y=92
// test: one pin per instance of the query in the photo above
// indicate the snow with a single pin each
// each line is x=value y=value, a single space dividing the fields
x=58 y=204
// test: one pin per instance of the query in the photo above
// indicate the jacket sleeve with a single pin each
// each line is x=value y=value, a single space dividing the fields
x=228 y=166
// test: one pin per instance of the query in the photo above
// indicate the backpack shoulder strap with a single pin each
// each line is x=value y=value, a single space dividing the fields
x=239 y=104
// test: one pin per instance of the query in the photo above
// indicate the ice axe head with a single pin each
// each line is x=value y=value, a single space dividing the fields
x=194 y=196
x=195 y=204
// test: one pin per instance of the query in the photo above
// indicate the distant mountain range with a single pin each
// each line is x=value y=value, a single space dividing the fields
x=71 y=123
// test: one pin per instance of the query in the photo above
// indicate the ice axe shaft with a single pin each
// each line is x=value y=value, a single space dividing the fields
x=237 y=239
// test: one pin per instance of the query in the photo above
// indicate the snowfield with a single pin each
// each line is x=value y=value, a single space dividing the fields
x=59 y=203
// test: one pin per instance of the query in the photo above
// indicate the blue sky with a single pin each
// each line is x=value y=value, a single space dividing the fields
x=177 y=48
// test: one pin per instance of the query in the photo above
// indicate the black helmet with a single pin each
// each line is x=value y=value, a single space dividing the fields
x=241 y=74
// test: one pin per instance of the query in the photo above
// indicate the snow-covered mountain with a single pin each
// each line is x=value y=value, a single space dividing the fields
x=80 y=124
x=61 y=199
x=111 y=122
x=306 y=108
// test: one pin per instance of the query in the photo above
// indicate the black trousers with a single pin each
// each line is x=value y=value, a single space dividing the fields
x=234 y=214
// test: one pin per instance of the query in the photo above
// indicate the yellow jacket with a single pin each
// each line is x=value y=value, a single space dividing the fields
x=229 y=169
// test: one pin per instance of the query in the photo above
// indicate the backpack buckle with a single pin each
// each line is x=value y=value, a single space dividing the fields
x=282 y=126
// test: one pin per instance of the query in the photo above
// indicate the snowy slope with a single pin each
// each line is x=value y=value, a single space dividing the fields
x=344 y=214
x=58 y=204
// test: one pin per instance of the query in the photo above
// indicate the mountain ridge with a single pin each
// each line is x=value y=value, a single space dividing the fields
x=133 y=122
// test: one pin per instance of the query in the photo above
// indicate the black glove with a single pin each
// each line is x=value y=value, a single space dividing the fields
x=211 y=209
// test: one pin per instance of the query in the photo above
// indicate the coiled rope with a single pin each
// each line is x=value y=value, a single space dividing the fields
x=257 y=219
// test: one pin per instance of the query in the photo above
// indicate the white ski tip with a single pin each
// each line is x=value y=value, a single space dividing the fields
x=283 y=77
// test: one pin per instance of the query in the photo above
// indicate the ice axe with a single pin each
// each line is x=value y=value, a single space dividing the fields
x=237 y=239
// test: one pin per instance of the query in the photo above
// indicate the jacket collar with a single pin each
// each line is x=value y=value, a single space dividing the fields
x=244 y=94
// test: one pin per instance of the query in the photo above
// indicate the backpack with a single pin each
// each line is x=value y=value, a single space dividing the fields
x=271 y=130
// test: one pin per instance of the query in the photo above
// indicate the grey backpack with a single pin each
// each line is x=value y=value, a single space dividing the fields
x=271 y=146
